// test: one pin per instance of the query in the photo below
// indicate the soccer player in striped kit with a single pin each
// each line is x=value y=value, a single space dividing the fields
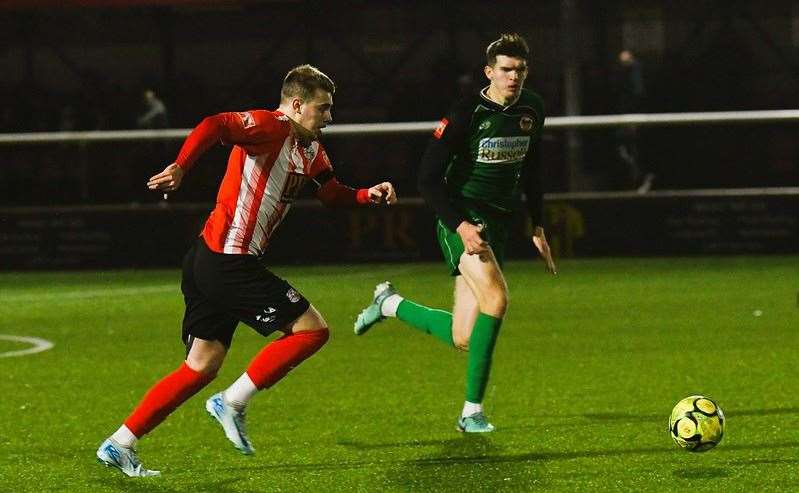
x=225 y=281
x=480 y=159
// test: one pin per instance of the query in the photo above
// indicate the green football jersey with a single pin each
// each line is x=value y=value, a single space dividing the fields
x=497 y=143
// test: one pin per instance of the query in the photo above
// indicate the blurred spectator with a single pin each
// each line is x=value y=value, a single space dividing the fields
x=630 y=93
x=155 y=115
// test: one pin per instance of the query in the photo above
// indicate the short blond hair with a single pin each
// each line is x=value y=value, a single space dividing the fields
x=303 y=81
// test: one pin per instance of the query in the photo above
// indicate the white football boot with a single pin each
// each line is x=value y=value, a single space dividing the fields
x=232 y=422
x=125 y=459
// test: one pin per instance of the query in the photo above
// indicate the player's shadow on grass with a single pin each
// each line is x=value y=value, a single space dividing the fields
x=460 y=454
x=149 y=485
x=750 y=462
x=467 y=441
x=472 y=449
x=568 y=420
x=701 y=473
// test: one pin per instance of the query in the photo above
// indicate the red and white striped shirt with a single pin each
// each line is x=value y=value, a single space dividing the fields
x=267 y=169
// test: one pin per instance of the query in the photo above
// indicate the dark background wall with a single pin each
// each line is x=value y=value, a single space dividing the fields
x=70 y=67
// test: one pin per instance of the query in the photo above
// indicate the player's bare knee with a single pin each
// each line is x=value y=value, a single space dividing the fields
x=206 y=362
x=494 y=302
x=461 y=343
x=206 y=367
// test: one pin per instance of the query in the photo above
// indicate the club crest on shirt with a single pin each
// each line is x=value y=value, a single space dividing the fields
x=310 y=151
x=526 y=123
x=247 y=119
x=485 y=125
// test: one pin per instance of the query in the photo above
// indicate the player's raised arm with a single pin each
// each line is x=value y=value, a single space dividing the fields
x=240 y=128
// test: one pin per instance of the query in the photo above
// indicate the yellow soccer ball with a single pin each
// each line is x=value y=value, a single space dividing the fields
x=697 y=423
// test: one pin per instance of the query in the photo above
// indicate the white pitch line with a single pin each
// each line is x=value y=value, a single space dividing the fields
x=39 y=345
x=88 y=293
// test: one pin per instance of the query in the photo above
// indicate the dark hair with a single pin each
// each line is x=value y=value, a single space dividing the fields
x=303 y=81
x=512 y=45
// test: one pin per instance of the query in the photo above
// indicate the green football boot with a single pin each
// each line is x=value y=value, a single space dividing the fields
x=372 y=313
x=476 y=423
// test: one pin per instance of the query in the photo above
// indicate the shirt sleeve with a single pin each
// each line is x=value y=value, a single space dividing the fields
x=533 y=176
x=448 y=139
x=235 y=128
x=328 y=189
x=533 y=187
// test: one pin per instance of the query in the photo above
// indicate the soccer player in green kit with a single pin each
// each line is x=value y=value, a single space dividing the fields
x=480 y=159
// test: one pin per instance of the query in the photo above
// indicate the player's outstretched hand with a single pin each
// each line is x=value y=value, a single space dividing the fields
x=540 y=242
x=167 y=180
x=473 y=243
x=382 y=192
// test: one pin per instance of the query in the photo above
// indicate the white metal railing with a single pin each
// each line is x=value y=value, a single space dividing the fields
x=555 y=122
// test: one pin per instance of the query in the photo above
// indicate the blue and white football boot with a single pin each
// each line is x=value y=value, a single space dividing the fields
x=232 y=422
x=476 y=423
x=125 y=459
x=373 y=313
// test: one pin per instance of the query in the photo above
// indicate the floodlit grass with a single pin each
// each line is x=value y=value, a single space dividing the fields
x=586 y=370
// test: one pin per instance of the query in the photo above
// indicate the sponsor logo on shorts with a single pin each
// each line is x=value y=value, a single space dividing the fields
x=293 y=295
x=247 y=119
x=502 y=150
x=266 y=316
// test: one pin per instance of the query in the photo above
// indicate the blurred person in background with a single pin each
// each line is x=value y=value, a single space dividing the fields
x=226 y=279
x=480 y=159
x=630 y=95
x=155 y=114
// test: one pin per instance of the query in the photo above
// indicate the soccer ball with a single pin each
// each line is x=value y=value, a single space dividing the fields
x=697 y=423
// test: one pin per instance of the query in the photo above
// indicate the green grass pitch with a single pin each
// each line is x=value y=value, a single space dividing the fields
x=586 y=371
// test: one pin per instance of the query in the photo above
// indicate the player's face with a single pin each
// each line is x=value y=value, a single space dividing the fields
x=315 y=114
x=507 y=77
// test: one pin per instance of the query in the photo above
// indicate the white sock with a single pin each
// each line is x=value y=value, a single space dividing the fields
x=125 y=437
x=240 y=393
x=390 y=304
x=470 y=408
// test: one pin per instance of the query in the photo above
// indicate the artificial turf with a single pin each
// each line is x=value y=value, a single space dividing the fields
x=586 y=370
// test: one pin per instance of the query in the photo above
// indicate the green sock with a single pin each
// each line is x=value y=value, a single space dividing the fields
x=481 y=347
x=437 y=323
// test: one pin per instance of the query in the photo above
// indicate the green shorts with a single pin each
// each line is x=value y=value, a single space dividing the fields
x=495 y=232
